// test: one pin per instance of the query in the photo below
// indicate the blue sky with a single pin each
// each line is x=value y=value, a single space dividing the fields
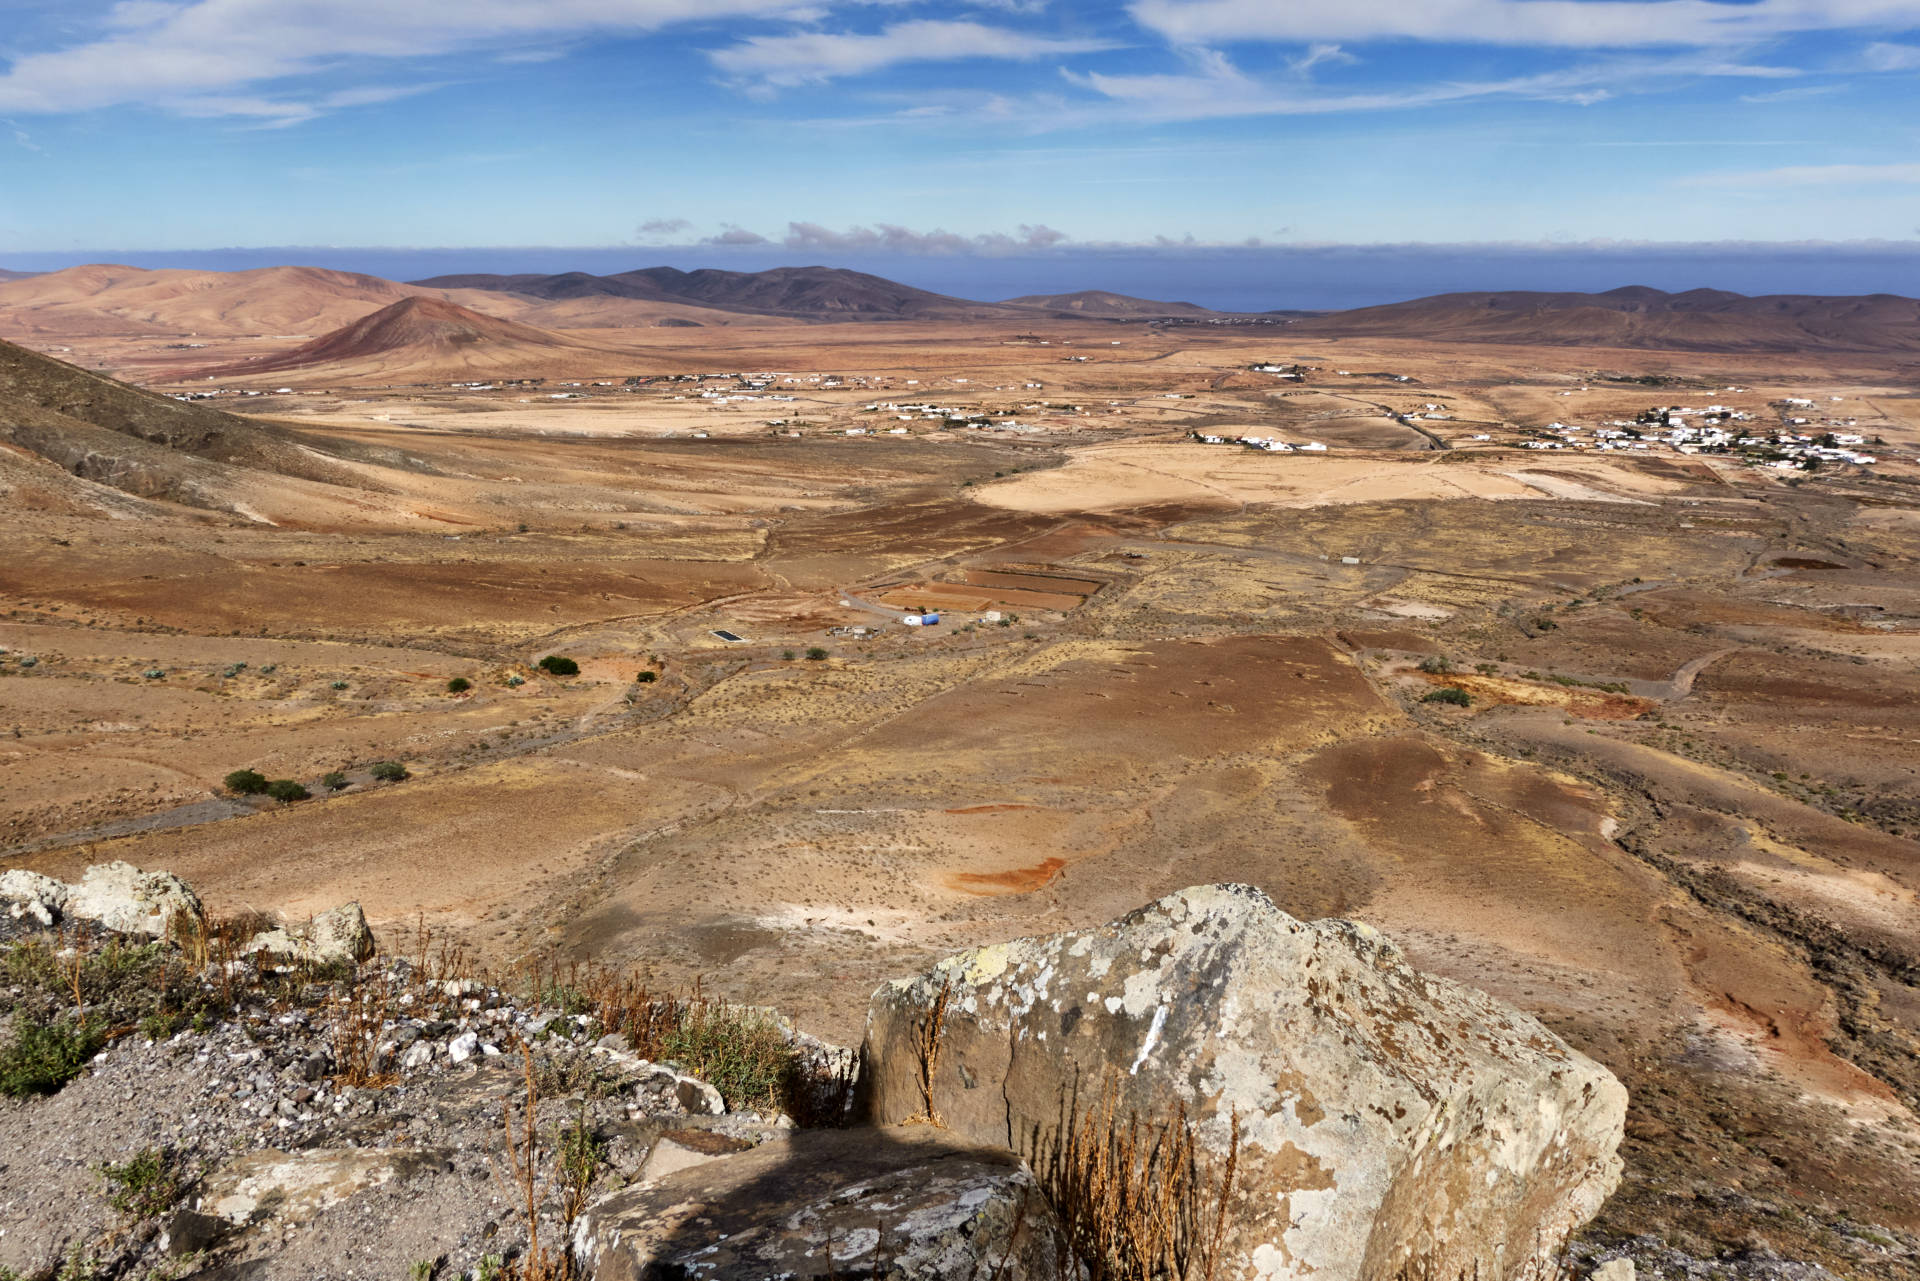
x=1043 y=132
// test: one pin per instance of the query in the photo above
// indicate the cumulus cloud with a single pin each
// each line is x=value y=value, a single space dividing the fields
x=737 y=236
x=810 y=57
x=199 y=54
x=888 y=238
x=1576 y=24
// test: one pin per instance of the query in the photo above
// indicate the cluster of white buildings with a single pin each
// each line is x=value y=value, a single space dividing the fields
x=1268 y=443
x=1719 y=429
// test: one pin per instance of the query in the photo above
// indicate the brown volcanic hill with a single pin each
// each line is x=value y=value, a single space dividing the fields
x=421 y=336
x=1099 y=302
x=143 y=444
x=108 y=299
x=810 y=293
x=1700 y=320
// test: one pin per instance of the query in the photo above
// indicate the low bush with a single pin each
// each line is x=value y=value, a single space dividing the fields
x=1452 y=695
x=333 y=780
x=389 y=771
x=816 y=653
x=555 y=665
x=41 y=1055
x=245 y=782
x=143 y=1186
x=287 y=791
x=648 y=677
x=1437 y=664
x=459 y=685
x=741 y=1053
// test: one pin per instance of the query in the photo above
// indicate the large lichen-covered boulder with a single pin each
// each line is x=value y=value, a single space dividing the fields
x=121 y=897
x=1390 y=1124
x=909 y=1202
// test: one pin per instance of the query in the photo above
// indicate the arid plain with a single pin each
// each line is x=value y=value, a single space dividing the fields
x=1679 y=818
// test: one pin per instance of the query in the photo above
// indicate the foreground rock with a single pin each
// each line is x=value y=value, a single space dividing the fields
x=337 y=937
x=1390 y=1124
x=906 y=1202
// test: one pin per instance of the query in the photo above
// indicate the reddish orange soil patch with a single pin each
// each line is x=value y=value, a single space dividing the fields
x=1019 y=880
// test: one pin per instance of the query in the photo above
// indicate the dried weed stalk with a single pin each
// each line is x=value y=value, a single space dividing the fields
x=1134 y=1198
x=928 y=1034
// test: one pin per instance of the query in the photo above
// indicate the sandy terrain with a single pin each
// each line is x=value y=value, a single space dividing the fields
x=1678 y=818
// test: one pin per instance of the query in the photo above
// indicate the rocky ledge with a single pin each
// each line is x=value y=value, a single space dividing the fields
x=1204 y=1088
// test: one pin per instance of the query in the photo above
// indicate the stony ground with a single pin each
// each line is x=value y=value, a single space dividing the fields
x=353 y=1127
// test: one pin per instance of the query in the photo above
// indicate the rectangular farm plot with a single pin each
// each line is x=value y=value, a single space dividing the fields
x=984 y=589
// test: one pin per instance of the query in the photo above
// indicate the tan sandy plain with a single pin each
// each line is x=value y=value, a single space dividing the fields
x=1694 y=731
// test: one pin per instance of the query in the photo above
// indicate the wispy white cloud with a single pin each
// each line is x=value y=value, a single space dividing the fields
x=1837 y=176
x=1321 y=54
x=21 y=137
x=196 y=55
x=810 y=57
x=1882 y=56
x=1794 y=93
x=1575 y=24
x=1216 y=88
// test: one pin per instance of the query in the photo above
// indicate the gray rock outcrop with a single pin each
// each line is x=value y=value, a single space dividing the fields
x=1390 y=1124
x=905 y=1202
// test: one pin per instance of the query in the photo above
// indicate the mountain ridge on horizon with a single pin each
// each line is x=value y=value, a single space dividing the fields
x=97 y=299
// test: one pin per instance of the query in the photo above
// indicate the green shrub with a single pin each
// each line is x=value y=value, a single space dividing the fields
x=459 y=685
x=286 y=791
x=245 y=782
x=1437 y=664
x=333 y=780
x=788 y=655
x=42 y=1055
x=647 y=677
x=816 y=653
x=338 y=685
x=389 y=771
x=1451 y=694
x=144 y=1185
x=741 y=1053
x=555 y=665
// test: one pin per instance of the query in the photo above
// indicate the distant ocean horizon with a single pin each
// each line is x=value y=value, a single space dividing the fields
x=1262 y=278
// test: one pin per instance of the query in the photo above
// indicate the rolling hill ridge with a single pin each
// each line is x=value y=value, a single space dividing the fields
x=1706 y=320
